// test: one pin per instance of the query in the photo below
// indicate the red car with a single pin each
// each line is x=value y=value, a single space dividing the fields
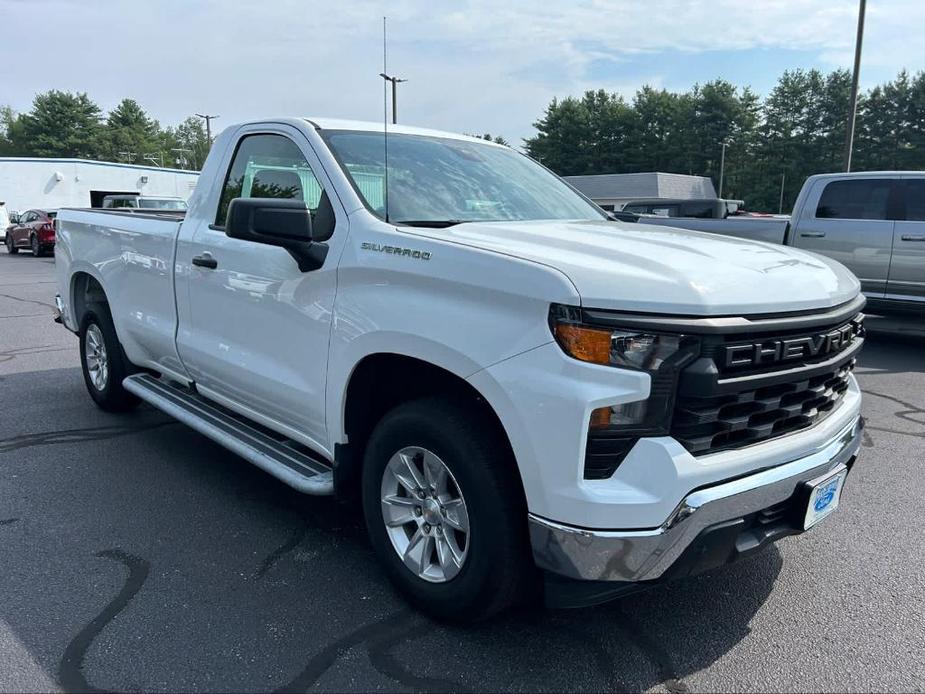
x=34 y=230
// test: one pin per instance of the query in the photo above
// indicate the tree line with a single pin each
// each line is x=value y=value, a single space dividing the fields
x=799 y=129
x=65 y=124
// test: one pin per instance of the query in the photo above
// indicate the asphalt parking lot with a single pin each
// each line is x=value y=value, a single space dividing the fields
x=137 y=555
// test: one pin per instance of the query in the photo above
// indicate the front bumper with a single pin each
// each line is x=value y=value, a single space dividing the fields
x=646 y=555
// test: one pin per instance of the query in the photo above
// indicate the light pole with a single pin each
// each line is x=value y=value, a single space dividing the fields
x=394 y=81
x=722 y=168
x=853 y=104
x=208 y=120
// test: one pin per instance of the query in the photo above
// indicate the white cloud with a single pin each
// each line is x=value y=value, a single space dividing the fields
x=476 y=65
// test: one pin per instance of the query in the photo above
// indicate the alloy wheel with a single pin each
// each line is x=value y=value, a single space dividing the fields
x=425 y=514
x=96 y=358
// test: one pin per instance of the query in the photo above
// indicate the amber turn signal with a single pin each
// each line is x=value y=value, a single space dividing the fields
x=600 y=418
x=586 y=344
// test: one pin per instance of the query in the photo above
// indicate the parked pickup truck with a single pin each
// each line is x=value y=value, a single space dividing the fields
x=872 y=222
x=517 y=393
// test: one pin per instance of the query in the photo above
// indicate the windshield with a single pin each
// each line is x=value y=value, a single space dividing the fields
x=435 y=179
x=161 y=204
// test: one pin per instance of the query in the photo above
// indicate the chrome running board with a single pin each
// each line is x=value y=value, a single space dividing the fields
x=284 y=459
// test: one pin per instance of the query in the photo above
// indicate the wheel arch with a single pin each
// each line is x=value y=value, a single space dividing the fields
x=85 y=289
x=381 y=381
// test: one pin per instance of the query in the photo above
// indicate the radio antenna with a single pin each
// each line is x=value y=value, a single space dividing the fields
x=385 y=120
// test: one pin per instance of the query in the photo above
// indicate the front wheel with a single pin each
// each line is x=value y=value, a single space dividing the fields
x=10 y=248
x=445 y=510
x=103 y=362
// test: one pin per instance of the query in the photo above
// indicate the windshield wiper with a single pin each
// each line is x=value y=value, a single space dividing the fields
x=431 y=223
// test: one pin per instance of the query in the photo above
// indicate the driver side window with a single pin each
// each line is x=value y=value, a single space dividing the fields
x=269 y=166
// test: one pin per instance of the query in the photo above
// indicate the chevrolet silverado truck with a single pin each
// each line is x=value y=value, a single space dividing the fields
x=519 y=395
x=873 y=222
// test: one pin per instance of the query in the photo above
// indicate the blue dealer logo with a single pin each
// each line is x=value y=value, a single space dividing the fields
x=825 y=496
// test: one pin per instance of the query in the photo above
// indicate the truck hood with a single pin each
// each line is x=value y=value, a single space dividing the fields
x=665 y=270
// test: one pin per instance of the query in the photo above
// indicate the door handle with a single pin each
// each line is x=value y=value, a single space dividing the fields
x=812 y=234
x=205 y=260
x=913 y=237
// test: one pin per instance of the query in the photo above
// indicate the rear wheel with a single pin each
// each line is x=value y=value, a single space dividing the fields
x=103 y=362
x=10 y=248
x=445 y=510
x=37 y=250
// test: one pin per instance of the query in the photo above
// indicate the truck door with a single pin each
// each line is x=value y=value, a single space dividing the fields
x=907 y=268
x=850 y=222
x=254 y=329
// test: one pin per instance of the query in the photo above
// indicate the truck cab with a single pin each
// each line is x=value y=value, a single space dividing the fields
x=874 y=224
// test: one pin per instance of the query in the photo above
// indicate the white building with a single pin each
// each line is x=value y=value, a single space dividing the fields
x=27 y=183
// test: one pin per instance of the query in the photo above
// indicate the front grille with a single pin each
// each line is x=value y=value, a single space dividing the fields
x=723 y=405
x=720 y=422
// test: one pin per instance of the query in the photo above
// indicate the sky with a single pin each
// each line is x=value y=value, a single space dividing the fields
x=472 y=65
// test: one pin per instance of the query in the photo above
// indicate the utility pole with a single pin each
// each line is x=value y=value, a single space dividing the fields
x=394 y=81
x=780 y=207
x=208 y=120
x=722 y=167
x=853 y=104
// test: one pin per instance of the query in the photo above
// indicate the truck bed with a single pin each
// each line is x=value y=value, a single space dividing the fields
x=770 y=229
x=131 y=254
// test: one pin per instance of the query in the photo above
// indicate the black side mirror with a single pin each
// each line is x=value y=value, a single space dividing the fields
x=277 y=222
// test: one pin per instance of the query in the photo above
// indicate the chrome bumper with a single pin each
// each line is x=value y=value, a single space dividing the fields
x=644 y=555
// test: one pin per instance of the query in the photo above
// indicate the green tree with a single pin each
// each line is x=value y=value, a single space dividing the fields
x=187 y=145
x=497 y=139
x=131 y=136
x=62 y=124
x=12 y=139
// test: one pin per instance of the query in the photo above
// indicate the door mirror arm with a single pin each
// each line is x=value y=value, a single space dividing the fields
x=308 y=256
x=277 y=222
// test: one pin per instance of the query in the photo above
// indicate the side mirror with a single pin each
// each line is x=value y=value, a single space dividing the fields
x=277 y=222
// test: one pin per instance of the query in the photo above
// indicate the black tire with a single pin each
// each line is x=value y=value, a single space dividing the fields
x=111 y=397
x=498 y=570
x=37 y=249
x=10 y=248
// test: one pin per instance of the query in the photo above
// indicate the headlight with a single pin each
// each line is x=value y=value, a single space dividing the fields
x=613 y=430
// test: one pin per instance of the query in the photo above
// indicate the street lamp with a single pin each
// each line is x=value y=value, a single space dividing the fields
x=394 y=81
x=853 y=103
x=208 y=119
x=722 y=168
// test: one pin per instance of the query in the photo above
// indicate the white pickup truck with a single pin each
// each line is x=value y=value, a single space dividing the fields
x=517 y=392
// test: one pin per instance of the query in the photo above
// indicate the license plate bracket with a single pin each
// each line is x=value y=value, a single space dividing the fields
x=823 y=495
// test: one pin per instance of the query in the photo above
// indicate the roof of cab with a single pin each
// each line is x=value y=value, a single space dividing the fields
x=377 y=127
x=868 y=174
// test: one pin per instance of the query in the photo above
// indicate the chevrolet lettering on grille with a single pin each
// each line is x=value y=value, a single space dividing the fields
x=801 y=347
